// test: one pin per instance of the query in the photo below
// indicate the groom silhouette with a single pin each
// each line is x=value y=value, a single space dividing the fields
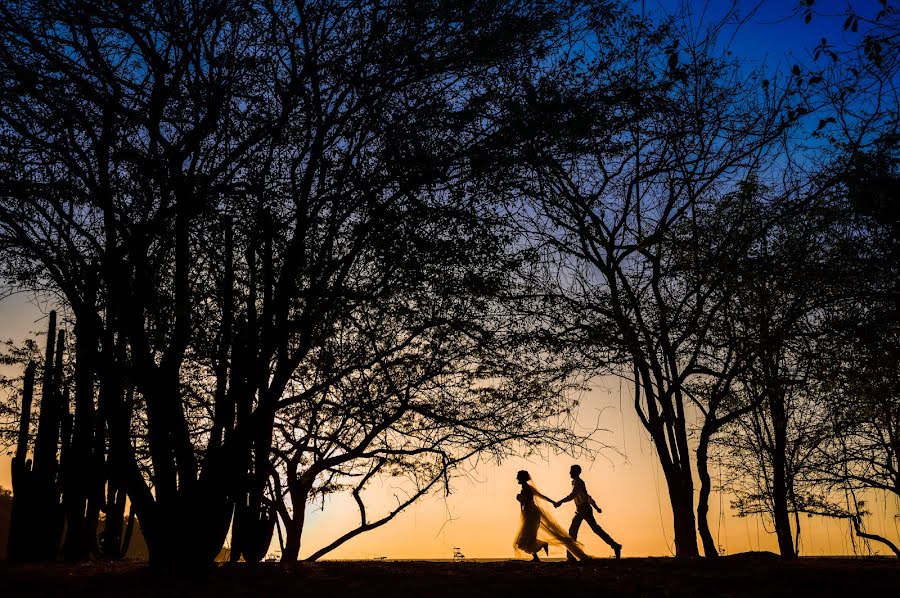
x=583 y=512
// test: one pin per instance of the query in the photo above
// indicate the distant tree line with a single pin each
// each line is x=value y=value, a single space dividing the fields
x=301 y=246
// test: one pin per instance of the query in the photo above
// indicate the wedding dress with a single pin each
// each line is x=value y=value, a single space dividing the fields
x=538 y=529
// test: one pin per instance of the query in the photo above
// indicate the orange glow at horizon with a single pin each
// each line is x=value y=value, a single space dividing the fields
x=481 y=515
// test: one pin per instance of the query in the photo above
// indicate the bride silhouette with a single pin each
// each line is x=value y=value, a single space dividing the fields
x=538 y=530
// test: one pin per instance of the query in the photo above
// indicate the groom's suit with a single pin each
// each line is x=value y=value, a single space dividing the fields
x=584 y=512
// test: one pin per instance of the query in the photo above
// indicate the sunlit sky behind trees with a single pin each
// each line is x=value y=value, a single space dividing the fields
x=480 y=516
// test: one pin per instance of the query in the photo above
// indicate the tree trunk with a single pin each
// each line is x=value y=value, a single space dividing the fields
x=780 y=511
x=294 y=527
x=291 y=552
x=186 y=534
x=774 y=403
x=668 y=433
x=261 y=524
x=680 y=483
x=129 y=533
x=113 y=526
x=681 y=494
x=81 y=475
x=709 y=545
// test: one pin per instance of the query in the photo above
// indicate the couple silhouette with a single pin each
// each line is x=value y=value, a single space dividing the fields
x=538 y=529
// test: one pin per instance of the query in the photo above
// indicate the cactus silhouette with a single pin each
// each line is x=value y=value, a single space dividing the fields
x=37 y=521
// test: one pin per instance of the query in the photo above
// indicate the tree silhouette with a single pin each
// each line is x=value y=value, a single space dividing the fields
x=217 y=191
x=638 y=145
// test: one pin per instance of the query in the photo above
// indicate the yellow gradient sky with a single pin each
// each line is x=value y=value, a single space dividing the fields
x=481 y=515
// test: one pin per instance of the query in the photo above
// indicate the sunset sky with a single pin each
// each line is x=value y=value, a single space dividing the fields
x=481 y=515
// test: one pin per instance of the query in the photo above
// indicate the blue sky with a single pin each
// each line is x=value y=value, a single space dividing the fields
x=776 y=31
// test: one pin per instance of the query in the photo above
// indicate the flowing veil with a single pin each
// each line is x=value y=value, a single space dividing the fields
x=545 y=528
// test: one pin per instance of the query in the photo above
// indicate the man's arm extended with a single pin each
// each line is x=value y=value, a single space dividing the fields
x=568 y=498
x=575 y=489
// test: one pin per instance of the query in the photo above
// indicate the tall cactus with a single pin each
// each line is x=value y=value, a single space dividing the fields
x=37 y=525
x=19 y=535
x=25 y=421
x=45 y=445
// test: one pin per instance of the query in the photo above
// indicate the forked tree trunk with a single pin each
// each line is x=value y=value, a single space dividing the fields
x=188 y=533
x=681 y=494
x=669 y=435
x=680 y=485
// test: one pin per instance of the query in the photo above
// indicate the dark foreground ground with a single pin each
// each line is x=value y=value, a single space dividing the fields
x=753 y=576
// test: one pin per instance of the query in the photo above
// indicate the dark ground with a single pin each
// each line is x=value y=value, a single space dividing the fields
x=732 y=576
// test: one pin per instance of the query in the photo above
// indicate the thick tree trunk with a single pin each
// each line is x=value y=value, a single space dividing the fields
x=115 y=521
x=186 y=534
x=81 y=471
x=189 y=516
x=668 y=433
x=685 y=520
x=261 y=524
x=294 y=531
x=245 y=515
x=115 y=406
x=780 y=512
x=186 y=520
x=129 y=533
x=680 y=484
x=681 y=495
x=294 y=527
